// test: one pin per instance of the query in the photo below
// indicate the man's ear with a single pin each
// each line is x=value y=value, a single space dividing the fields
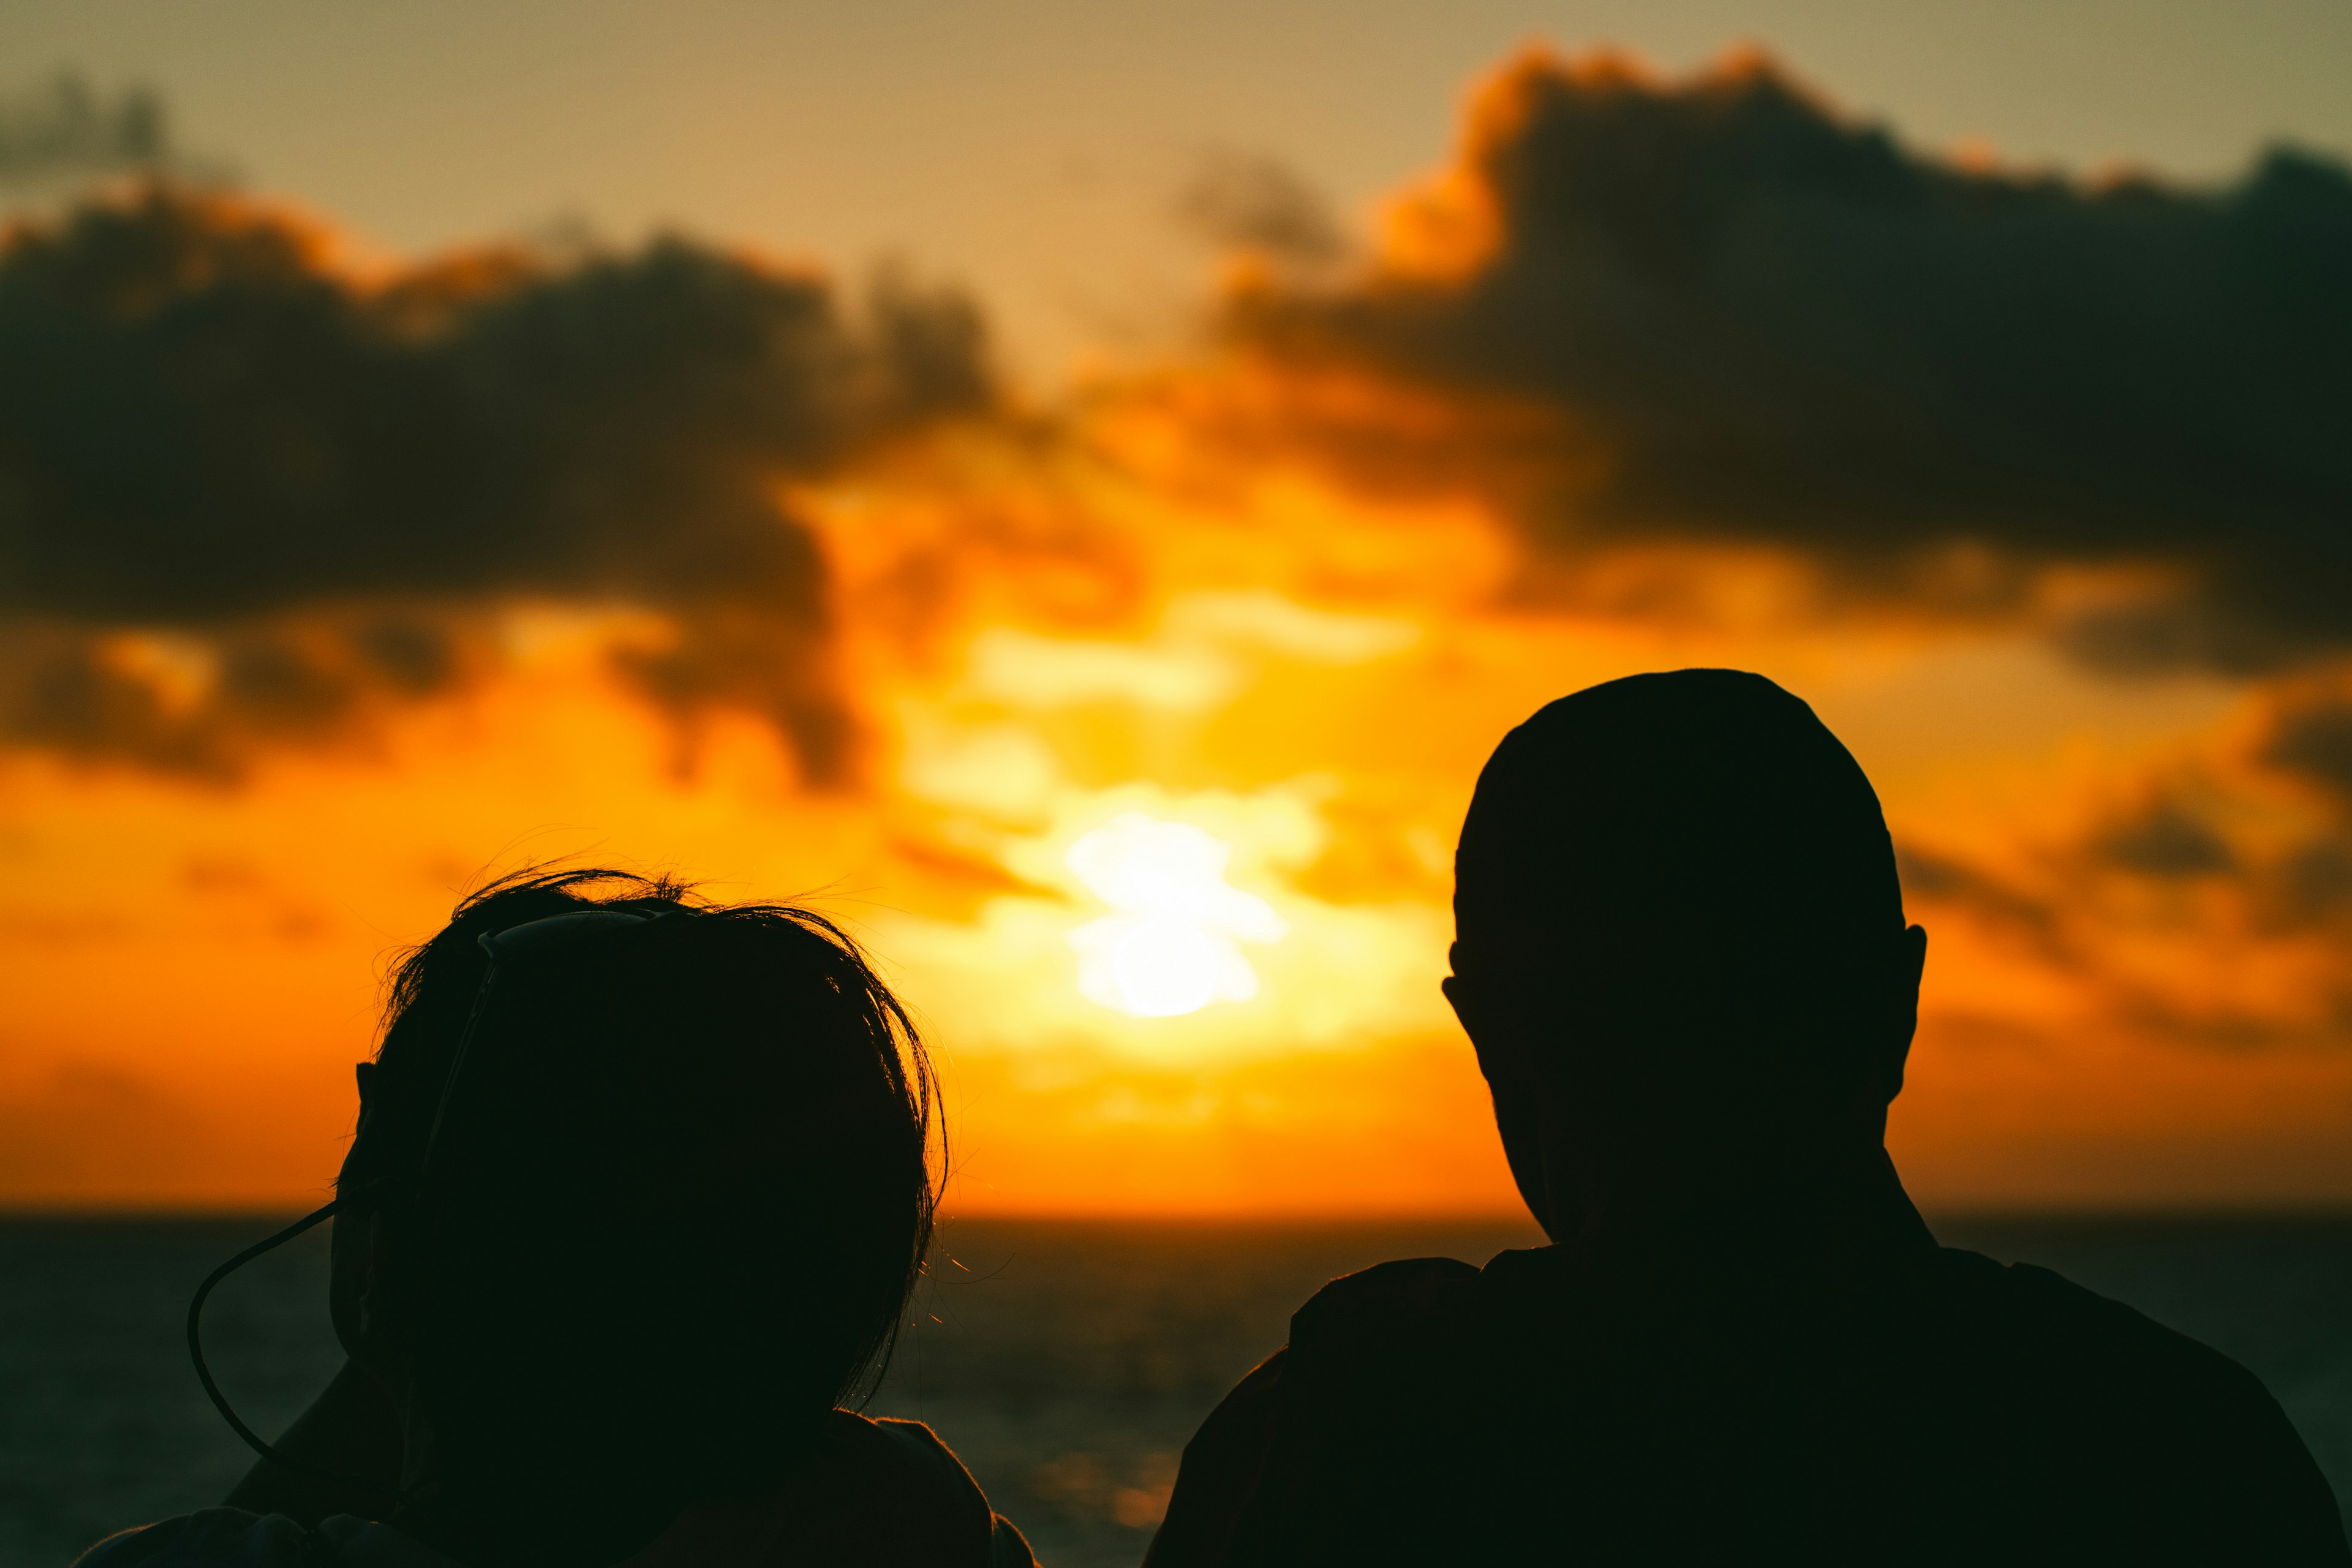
x=1498 y=1033
x=1454 y=989
x=1910 y=964
x=1476 y=1016
x=1495 y=1032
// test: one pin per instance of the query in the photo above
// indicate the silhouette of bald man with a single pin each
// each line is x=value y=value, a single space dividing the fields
x=1682 y=958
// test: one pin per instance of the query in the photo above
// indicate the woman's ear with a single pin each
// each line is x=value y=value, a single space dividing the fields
x=367 y=1297
x=386 y=1308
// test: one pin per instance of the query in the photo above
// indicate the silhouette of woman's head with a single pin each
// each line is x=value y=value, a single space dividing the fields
x=1686 y=879
x=675 y=1203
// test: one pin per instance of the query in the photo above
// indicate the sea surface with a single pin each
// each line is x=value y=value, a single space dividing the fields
x=1066 y=1362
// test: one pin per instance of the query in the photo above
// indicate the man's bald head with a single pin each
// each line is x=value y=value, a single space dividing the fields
x=1687 y=865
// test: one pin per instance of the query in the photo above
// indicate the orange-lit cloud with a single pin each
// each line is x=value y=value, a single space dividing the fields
x=2204 y=897
x=246 y=495
x=1717 y=311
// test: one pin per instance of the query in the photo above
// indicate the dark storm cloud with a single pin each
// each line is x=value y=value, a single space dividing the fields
x=1757 y=322
x=206 y=428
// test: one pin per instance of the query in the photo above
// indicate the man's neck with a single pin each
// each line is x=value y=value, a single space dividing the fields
x=1723 y=1200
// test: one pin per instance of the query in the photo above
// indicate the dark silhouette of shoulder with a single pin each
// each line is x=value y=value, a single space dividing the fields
x=1939 y=1408
x=883 y=1494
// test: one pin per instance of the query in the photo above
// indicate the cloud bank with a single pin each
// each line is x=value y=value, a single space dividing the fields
x=309 y=486
x=1719 y=311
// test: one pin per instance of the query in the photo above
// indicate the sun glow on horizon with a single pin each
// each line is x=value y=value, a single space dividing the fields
x=1171 y=945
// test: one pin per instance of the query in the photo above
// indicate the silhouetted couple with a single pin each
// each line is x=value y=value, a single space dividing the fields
x=640 y=1192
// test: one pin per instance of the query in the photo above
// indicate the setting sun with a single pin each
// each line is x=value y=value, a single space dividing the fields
x=1169 y=945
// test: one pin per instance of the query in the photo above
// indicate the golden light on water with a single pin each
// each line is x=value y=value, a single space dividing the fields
x=1170 y=945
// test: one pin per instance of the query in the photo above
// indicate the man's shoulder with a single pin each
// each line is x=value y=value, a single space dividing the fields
x=1391 y=1343
x=2066 y=1345
x=1383 y=1297
x=1986 y=1401
x=2042 y=1313
x=2117 y=1405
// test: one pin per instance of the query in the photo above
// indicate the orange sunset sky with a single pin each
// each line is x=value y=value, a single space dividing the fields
x=1124 y=691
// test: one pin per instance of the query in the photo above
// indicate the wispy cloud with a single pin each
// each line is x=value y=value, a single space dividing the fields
x=64 y=130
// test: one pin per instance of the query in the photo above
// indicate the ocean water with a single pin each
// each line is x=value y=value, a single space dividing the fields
x=1067 y=1363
